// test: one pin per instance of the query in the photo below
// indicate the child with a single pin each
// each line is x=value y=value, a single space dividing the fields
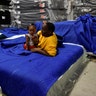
x=31 y=38
x=47 y=40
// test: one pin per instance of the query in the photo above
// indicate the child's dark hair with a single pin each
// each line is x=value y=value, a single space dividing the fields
x=50 y=26
x=32 y=24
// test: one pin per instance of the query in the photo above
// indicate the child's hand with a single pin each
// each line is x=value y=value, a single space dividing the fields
x=26 y=48
x=35 y=40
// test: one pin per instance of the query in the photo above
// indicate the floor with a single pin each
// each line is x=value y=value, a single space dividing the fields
x=86 y=84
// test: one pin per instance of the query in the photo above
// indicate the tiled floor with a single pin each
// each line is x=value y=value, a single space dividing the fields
x=86 y=84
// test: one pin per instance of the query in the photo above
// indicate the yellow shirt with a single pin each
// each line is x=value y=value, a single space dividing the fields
x=49 y=44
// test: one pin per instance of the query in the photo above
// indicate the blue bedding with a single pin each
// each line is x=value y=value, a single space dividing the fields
x=23 y=73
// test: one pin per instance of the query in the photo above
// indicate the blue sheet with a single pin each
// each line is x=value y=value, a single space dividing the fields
x=23 y=73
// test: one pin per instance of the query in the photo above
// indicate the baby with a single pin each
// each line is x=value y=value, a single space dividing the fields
x=31 y=38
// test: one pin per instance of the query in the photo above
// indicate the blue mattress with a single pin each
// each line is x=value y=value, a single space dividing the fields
x=23 y=73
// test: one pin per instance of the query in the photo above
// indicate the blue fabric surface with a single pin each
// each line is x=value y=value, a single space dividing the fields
x=11 y=31
x=24 y=73
x=85 y=28
x=66 y=29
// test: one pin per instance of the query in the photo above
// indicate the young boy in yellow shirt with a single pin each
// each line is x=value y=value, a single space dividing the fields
x=47 y=40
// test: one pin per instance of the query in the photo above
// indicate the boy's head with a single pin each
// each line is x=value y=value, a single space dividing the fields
x=48 y=29
x=31 y=29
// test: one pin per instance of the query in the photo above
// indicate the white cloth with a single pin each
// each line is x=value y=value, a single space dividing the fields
x=30 y=40
x=31 y=43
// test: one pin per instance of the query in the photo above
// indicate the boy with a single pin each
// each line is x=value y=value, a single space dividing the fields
x=47 y=40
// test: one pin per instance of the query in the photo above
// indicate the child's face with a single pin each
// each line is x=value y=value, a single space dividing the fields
x=44 y=22
x=45 y=31
x=32 y=30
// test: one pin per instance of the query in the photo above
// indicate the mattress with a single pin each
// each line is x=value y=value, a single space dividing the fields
x=31 y=74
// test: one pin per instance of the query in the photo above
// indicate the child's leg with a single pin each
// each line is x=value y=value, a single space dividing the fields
x=25 y=46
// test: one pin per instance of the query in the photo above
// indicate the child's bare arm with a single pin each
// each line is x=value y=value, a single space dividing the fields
x=35 y=40
x=39 y=50
x=27 y=42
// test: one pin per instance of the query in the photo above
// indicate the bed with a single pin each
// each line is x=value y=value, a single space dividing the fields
x=23 y=73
